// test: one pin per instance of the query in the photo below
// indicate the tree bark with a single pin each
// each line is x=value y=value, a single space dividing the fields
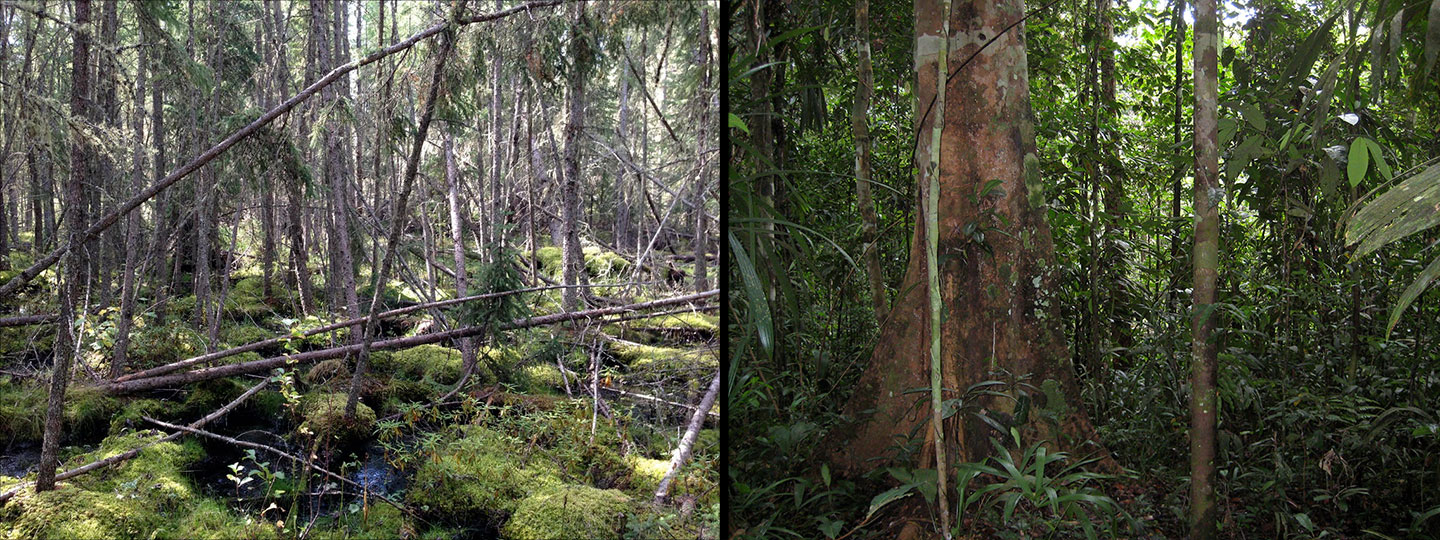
x=457 y=238
x=702 y=139
x=997 y=290
x=859 y=120
x=1206 y=259
x=572 y=258
x=132 y=228
x=687 y=442
x=74 y=267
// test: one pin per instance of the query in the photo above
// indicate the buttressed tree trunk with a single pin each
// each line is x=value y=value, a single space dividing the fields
x=995 y=289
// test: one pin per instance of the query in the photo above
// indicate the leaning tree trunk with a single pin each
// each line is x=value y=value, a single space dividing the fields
x=997 y=291
x=1207 y=241
x=457 y=239
x=75 y=263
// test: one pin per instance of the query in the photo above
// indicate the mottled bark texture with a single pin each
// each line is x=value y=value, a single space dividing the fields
x=997 y=302
x=1207 y=242
x=75 y=262
x=859 y=127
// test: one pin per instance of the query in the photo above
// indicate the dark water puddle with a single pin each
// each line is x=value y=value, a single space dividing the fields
x=20 y=458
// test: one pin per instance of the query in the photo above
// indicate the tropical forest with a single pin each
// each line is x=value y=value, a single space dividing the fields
x=1082 y=269
x=287 y=269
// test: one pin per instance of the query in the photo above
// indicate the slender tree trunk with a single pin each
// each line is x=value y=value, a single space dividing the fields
x=1179 y=174
x=572 y=259
x=998 y=294
x=1207 y=241
x=702 y=139
x=132 y=228
x=859 y=120
x=74 y=268
x=457 y=235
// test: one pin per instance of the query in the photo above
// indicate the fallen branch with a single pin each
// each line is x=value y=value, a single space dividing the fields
x=26 y=320
x=210 y=357
x=276 y=451
x=128 y=454
x=711 y=413
x=687 y=443
x=257 y=366
x=93 y=231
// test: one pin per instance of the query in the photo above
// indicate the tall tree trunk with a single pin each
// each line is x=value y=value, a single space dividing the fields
x=132 y=227
x=572 y=258
x=457 y=236
x=702 y=139
x=1179 y=174
x=859 y=127
x=1206 y=260
x=997 y=293
x=75 y=264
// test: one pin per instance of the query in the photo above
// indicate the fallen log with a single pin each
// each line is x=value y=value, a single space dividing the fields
x=27 y=320
x=259 y=366
x=211 y=357
x=94 y=230
x=128 y=454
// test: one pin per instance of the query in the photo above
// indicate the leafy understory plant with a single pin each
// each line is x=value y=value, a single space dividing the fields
x=1038 y=486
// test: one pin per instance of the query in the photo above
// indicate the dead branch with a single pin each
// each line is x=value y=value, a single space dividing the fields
x=257 y=366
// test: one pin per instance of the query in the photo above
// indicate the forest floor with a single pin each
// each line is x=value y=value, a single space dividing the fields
x=519 y=451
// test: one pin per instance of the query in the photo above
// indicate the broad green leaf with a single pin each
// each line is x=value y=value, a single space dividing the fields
x=759 y=306
x=825 y=474
x=1412 y=292
x=1359 y=160
x=888 y=497
x=1299 y=66
x=1254 y=116
x=1405 y=209
x=737 y=123
x=1379 y=157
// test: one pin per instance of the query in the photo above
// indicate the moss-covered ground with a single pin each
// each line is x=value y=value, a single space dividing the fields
x=510 y=454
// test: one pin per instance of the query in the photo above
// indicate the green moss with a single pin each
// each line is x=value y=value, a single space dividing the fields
x=691 y=320
x=146 y=497
x=429 y=363
x=332 y=370
x=379 y=520
x=267 y=403
x=247 y=298
x=22 y=411
x=325 y=418
x=244 y=334
x=541 y=378
x=310 y=323
x=478 y=472
x=645 y=474
x=605 y=264
x=154 y=345
x=17 y=340
x=649 y=363
x=209 y=519
x=182 y=307
x=210 y=395
x=569 y=512
x=131 y=414
x=549 y=259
